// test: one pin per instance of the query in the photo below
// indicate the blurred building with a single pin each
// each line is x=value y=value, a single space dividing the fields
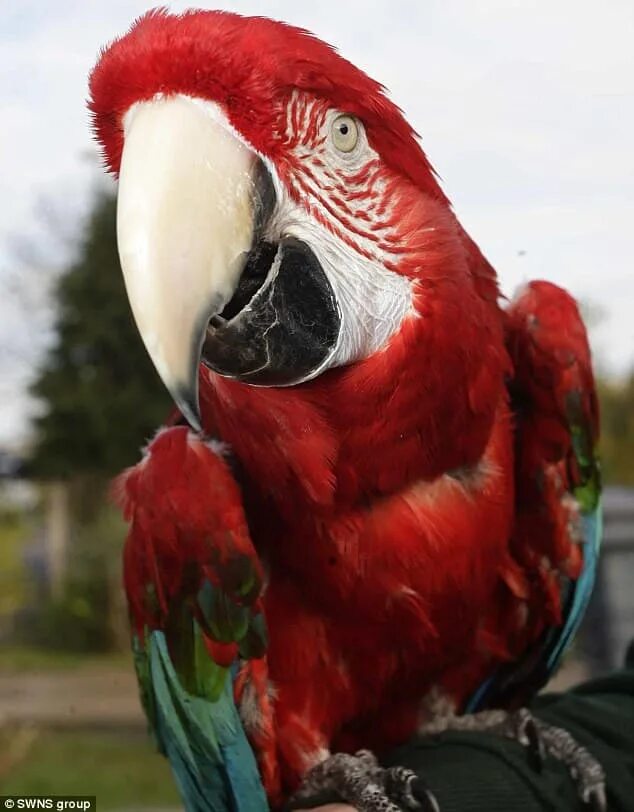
x=16 y=492
x=609 y=624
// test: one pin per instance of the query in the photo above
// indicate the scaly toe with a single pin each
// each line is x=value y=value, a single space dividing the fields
x=359 y=781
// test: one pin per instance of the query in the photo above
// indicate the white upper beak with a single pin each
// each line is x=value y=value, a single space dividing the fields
x=184 y=228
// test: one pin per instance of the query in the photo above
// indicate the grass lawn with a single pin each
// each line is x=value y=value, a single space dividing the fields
x=123 y=772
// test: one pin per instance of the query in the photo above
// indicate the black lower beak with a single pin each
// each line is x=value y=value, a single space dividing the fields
x=282 y=323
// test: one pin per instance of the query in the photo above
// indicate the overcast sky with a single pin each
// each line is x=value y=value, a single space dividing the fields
x=525 y=108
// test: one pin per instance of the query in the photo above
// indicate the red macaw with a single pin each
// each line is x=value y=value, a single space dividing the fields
x=389 y=467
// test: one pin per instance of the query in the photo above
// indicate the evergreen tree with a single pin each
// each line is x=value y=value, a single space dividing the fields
x=102 y=397
x=102 y=400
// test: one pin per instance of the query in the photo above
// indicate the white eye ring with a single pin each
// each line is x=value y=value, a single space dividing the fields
x=345 y=133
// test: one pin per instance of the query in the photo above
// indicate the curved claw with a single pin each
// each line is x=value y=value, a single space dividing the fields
x=528 y=734
x=399 y=782
x=360 y=781
x=596 y=799
x=429 y=803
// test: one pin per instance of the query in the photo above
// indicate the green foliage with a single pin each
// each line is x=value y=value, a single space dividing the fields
x=12 y=572
x=74 y=621
x=101 y=395
x=617 y=431
x=83 y=618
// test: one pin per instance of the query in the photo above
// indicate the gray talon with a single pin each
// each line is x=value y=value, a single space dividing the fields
x=430 y=802
x=361 y=782
x=543 y=740
x=527 y=733
x=596 y=799
x=398 y=786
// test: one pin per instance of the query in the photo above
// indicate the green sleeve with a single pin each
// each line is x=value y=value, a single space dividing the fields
x=482 y=772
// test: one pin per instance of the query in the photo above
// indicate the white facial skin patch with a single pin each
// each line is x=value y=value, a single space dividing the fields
x=373 y=301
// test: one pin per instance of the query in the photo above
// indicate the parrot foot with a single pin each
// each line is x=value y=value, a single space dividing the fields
x=542 y=740
x=360 y=781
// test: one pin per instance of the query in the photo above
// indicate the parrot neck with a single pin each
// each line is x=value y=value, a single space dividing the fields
x=361 y=432
x=418 y=407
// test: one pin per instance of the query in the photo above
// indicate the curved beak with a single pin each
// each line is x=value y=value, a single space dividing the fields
x=185 y=225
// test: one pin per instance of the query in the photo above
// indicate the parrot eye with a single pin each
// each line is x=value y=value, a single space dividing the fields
x=345 y=133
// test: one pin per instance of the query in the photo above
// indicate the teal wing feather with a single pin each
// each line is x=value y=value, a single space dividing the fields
x=203 y=738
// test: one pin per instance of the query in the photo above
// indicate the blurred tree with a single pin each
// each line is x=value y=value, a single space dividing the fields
x=101 y=401
x=616 y=400
x=617 y=430
x=102 y=398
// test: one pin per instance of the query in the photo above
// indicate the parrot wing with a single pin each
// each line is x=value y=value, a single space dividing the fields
x=555 y=546
x=193 y=582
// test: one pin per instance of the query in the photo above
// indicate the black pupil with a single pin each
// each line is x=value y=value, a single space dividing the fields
x=343 y=129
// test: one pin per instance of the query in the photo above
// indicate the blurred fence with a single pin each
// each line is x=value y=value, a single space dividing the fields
x=60 y=574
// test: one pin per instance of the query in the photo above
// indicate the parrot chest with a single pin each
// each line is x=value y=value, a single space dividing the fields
x=383 y=600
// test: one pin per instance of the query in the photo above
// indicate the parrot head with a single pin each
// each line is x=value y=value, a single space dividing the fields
x=277 y=217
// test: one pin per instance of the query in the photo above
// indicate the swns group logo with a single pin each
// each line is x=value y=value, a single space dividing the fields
x=57 y=803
